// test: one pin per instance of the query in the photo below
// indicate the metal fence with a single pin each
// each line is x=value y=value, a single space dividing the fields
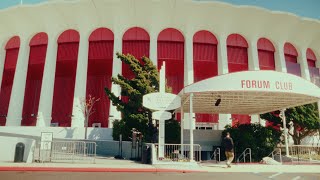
x=179 y=153
x=65 y=151
x=304 y=153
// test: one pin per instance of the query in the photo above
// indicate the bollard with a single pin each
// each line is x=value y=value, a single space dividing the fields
x=18 y=155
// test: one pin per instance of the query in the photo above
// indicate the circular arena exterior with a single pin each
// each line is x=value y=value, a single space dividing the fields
x=54 y=54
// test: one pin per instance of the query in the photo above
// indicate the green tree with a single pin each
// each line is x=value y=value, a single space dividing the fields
x=134 y=115
x=261 y=140
x=303 y=119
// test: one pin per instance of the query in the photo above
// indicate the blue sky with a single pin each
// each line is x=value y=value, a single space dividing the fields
x=304 y=8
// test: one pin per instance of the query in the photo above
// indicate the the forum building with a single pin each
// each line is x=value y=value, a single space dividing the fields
x=54 y=54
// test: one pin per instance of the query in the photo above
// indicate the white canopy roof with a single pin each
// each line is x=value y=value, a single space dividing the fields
x=249 y=92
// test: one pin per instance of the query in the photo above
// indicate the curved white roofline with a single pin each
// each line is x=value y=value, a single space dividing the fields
x=185 y=15
x=249 y=92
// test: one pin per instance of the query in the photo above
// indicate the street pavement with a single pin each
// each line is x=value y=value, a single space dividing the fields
x=125 y=169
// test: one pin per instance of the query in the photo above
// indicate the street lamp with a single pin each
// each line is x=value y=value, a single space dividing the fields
x=285 y=130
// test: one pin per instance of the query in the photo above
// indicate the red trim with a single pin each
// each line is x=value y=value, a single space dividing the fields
x=170 y=35
x=289 y=49
x=95 y=169
x=265 y=44
x=237 y=40
x=39 y=39
x=13 y=43
x=136 y=33
x=204 y=37
x=101 y=34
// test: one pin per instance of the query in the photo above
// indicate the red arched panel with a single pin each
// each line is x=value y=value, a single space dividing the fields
x=204 y=37
x=266 y=54
x=238 y=119
x=237 y=53
x=65 y=75
x=171 y=35
x=289 y=49
x=205 y=64
x=136 y=33
x=136 y=41
x=101 y=34
x=39 y=39
x=237 y=40
x=311 y=58
x=291 y=57
x=37 y=56
x=10 y=62
x=265 y=44
x=237 y=50
x=170 y=49
x=69 y=36
x=99 y=73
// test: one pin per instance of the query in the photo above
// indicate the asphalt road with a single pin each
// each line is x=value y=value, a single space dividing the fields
x=11 y=175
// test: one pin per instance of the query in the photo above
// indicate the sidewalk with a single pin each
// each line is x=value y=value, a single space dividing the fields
x=113 y=165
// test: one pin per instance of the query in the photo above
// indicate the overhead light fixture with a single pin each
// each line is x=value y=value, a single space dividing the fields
x=218 y=101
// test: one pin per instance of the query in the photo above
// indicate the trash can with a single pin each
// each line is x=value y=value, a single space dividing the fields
x=146 y=155
x=18 y=155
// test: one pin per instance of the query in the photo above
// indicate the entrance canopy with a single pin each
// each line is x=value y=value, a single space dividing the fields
x=248 y=92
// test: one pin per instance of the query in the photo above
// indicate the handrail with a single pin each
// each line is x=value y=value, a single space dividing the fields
x=244 y=154
x=215 y=153
x=275 y=152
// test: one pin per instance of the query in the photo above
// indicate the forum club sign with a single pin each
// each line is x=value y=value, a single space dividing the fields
x=266 y=84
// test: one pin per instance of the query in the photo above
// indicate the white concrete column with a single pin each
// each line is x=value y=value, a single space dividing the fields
x=279 y=58
x=188 y=54
x=285 y=131
x=2 y=60
x=189 y=74
x=253 y=58
x=256 y=119
x=46 y=95
x=224 y=119
x=302 y=60
x=81 y=81
x=154 y=48
x=116 y=69
x=191 y=127
x=19 y=82
x=222 y=55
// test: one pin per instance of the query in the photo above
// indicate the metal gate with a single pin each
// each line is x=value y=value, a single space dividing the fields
x=65 y=151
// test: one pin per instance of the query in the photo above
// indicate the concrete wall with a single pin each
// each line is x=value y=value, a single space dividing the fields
x=8 y=146
x=59 y=132
x=206 y=138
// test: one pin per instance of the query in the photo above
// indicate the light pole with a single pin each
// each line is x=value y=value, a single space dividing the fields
x=285 y=131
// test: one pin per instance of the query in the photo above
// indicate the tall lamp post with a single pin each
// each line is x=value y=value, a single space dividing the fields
x=285 y=131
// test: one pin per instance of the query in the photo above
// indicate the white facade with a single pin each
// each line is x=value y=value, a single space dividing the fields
x=186 y=16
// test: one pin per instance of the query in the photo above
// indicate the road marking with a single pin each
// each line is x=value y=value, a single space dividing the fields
x=272 y=176
x=296 y=178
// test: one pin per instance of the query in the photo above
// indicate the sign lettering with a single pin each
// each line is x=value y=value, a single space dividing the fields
x=266 y=84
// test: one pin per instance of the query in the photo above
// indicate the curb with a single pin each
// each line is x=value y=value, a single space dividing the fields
x=63 y=169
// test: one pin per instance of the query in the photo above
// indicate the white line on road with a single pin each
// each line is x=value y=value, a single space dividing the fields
x=296 y=178
x=272 y=176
